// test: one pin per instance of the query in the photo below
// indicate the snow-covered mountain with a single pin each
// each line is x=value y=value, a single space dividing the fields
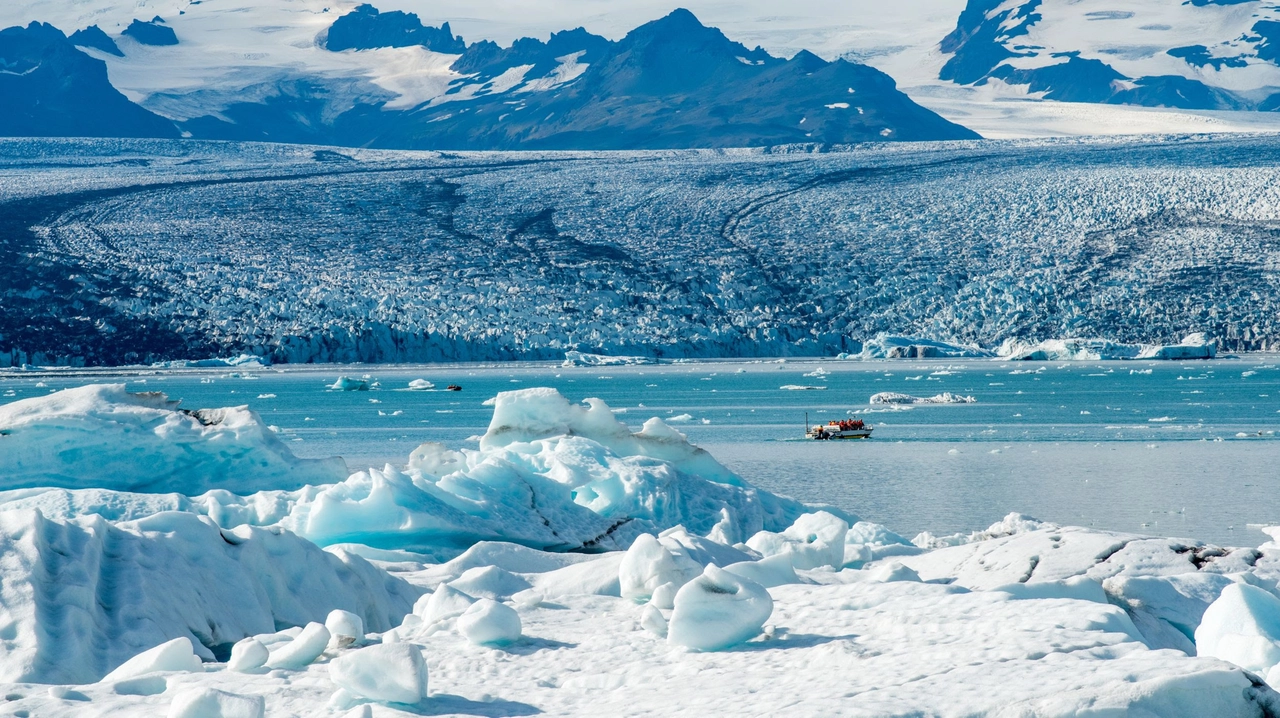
x=1202 y=54
x=287 y=71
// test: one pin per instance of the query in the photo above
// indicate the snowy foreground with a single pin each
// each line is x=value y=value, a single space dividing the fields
x=568 y=566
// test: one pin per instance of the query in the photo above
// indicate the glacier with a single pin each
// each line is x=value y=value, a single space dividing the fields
x=796 y=252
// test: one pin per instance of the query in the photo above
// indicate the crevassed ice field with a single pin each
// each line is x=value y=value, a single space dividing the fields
x=173 y=250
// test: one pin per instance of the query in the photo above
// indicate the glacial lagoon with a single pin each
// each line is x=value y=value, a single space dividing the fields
x=1185 y=449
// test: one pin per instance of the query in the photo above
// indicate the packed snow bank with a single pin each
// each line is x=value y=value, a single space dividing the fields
x=1242 y=627
x=104 y=437
x=893 y=397
x=82 y=596
x=583 y=359
x=813 y=541
x=1193 y=346
x=887 y=346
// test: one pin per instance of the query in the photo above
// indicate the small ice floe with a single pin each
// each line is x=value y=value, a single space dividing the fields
x=801 y=387
x=1162 y=419
x=266 y=396
x=817 y=373
x=679 y=419
x=893 y=397
x=346 y=383
x=421 y=385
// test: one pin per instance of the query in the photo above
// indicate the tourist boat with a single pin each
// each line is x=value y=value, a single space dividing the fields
x=453 y=387
x=853 y=428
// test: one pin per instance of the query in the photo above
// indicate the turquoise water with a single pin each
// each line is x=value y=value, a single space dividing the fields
x=1185 y=449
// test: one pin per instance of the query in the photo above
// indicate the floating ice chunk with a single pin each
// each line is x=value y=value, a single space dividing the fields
x=344 y=627
x=489 y=582
x=421 y=385
x=679 y=419
x=1242 y=627
x=1080 y=588
x=213 y=703
x=648 y=564
x=898 y=398
x=387 y=673
x=892 y=571
x=247 y=655
x=175 y=655
x=801 y=387
x=446 y=602
x=489 y=623
x=652 y=620
x=584 y=359
x=887 y=346
x=717 y=610
x=103 y=437
x=301 y=651
x=814 y=540
x=346 y=383
x=768 y=572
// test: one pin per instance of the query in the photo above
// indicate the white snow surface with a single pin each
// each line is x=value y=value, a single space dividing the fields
x=1024 y=617
x=102 y=436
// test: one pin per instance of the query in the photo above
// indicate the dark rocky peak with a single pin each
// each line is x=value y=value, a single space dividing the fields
x=152 y=32
x=487 y=60
x=365 y=28
x=94 y=37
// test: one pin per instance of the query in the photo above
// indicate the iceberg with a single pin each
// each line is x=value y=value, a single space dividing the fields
x=1193 y=346
x=346 y=383
x=244 y=361
x=583 y=359
x=897 y=398
x=888 y=346
x=103 y=437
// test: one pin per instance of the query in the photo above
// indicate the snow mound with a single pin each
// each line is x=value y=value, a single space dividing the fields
x=489 y=582
x=718 y=610
x=175 y=655
x=893 y=397
x=489 y=623
x=583 y=359
x=103 y=437
x=344 y=626
x=648 y=564
x=213 y=703
x=768 y=572
x=387 y=673
x=445 y=602
x=1242 y=627
x=1193 y=346
x=887 y=346
x=248 y=654
x=81 y=596
x=813 y=541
